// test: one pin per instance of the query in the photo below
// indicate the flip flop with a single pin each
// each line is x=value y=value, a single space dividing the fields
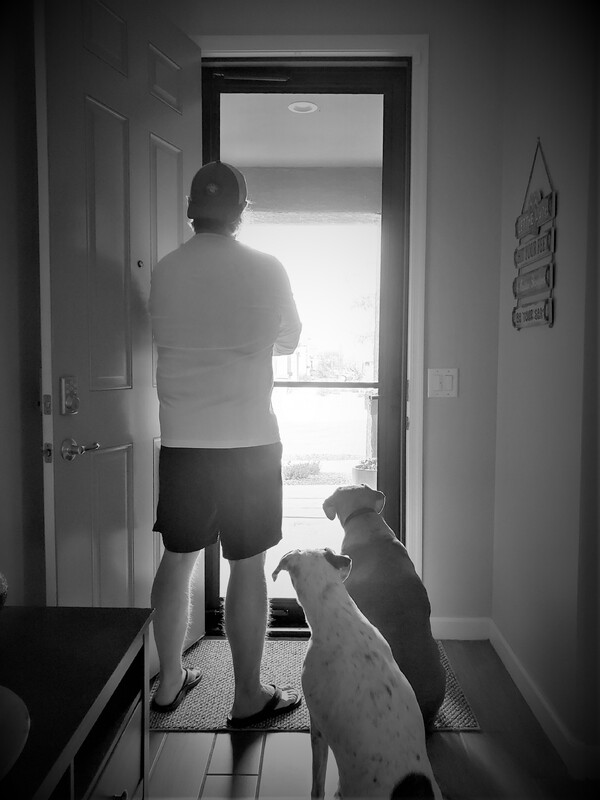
x=270 y=710
x=188 y=684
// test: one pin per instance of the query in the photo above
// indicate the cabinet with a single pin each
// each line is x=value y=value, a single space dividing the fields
x=83 y=674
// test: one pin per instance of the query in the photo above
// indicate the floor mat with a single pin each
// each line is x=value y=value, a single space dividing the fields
x=206 y=707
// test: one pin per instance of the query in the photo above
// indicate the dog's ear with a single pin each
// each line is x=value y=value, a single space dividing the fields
x=341 y=562
x=284 y=564
x=329 y=507
x=378 y=500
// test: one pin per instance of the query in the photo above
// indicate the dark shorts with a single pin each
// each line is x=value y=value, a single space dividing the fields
x=232 y=495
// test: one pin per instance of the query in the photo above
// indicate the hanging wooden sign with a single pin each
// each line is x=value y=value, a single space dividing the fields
x=536 y=243
x=538 y=247
x=530 y=314
x=541 y=209
x=535 y=281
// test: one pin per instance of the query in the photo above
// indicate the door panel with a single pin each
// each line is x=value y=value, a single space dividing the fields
x=112 y=526
x=121 y=98
x=166 y=191
x=108 y=224
x=105 y=34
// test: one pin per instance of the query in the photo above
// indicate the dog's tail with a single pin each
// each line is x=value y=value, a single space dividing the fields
x=414 y=786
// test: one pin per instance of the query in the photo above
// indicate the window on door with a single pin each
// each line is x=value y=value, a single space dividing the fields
x=315 y=167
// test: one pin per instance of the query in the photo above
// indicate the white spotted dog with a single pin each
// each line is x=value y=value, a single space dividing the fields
x=385 y=586
x=360 y=703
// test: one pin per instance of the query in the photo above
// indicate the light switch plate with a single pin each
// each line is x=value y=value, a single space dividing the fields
x=442 y=382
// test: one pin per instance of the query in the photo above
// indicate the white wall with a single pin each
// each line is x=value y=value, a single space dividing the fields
x=461 y=309
x=545 y=584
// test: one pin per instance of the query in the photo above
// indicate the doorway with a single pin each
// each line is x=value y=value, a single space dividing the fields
x=325 y=148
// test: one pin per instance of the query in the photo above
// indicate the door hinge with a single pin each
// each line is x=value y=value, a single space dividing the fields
x=47 y=452
x=47 y=404
x=407 y=423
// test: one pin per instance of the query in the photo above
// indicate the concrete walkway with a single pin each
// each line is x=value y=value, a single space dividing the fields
x=304 y=526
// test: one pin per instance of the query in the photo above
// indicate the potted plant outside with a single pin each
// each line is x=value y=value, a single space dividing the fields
x=365 y=472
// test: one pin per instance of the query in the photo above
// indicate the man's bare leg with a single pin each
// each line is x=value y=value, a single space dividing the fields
x=171 y=602
x=246 y=614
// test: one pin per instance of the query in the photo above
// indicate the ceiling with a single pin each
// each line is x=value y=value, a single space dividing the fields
x=259 y=130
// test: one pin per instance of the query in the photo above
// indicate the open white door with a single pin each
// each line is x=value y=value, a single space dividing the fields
x=119 y=116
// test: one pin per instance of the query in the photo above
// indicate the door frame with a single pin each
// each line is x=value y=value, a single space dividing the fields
x=45 y=309
x=390 y=80
x=415 y=47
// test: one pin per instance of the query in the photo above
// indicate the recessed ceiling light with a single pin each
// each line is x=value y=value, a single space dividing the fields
x=303 y=107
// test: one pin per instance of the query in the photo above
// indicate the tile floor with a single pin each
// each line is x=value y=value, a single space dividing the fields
x=509 y=759
x=234 y=765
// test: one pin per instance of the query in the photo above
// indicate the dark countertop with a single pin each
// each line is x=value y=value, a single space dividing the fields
x=64 y=663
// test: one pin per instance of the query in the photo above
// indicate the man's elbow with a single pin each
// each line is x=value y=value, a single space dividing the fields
x=281 y=349
x=286 y=344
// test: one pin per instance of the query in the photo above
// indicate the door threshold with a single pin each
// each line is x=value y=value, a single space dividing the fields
x=288 y=633
x=272 y=633
x=215 y=629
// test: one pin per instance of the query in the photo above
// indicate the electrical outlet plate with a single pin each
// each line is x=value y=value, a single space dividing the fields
x=442 y=382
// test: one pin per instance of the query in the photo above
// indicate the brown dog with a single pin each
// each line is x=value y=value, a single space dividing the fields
x=385 y=586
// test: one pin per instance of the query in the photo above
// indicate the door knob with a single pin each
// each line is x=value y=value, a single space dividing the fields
x=69 y=449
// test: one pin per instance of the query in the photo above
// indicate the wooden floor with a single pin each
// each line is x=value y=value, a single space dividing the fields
x=509 y=759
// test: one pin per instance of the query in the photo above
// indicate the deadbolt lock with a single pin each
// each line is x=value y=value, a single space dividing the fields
x=69 y=395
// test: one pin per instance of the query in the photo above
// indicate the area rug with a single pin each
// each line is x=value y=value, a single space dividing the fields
x=206 y=707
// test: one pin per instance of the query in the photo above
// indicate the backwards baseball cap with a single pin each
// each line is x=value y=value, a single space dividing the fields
x=218 y=192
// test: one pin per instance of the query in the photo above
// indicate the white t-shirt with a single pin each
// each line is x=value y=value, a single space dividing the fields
x=220 y=310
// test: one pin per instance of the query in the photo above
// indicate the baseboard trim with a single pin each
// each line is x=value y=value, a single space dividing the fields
x=460 y=627
x=582 y=761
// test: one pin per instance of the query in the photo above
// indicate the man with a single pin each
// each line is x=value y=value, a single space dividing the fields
x=220 y=311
